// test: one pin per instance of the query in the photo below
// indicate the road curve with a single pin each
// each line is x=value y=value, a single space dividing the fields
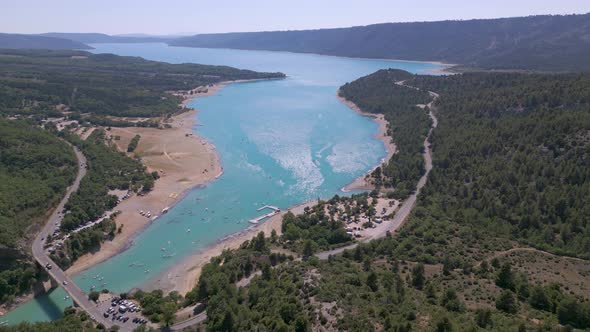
x=397 y=221
x=407 y=205
x=56 y=273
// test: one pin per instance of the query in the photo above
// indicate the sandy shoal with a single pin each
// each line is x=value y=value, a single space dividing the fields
x=360 y=183
x=183 y=276
x=183 y=160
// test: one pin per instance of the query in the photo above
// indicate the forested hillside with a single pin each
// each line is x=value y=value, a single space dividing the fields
x=36 y=82
x=382 y=93
x=511 y=157
x=544 y=43
x=91 y=38
x=35 y=169
x=18 y=41
x=36 y=166
x=486 y=247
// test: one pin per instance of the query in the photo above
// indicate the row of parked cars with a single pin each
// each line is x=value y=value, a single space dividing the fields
x=124 y=306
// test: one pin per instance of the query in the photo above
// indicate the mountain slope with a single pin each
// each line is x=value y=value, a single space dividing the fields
x=555 y=43
x=17 y=41
x=104 y=38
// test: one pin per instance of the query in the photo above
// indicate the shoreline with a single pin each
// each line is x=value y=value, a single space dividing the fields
x=182 y=182
x=434 y=62
x=360 y=184
x=172 y=186
x=183 y=275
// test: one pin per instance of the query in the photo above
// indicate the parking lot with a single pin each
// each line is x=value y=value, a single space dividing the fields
x=125 y=313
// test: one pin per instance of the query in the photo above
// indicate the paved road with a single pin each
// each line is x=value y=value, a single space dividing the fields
x=397 y=221
x=407 y=206
x=189 y=322
x=57 y=274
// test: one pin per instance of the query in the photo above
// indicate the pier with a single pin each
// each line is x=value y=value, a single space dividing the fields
x=274 y=209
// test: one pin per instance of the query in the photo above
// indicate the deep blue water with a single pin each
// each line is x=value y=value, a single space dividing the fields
x=281 y=142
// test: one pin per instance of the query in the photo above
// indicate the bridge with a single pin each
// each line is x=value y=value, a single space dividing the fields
x=55 y=272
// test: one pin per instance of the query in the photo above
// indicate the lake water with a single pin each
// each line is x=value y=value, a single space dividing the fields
x=281 y=142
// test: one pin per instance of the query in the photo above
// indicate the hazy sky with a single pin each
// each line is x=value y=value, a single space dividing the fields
x=197 y=16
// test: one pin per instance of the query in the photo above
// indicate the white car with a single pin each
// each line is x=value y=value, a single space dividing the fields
x=65 y=283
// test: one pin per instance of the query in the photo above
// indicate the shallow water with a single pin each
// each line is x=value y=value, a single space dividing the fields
x=281 y=142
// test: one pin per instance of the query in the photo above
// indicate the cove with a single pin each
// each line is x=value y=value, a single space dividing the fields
x=280 y=142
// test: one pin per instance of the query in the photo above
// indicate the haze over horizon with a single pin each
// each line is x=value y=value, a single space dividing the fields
x=184 y=17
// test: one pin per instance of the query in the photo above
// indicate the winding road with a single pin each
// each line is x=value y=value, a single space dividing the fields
x=55 y=272
x=407 y=205
x=398 y=220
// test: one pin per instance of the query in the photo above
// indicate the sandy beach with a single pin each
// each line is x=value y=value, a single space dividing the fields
x=183 y=276
x=360 y=183
x=183 y=161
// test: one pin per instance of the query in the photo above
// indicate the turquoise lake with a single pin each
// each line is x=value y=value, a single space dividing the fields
x=281 y=142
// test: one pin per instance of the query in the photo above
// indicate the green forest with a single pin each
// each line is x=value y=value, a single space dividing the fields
x=408 y=125
x=510 y=171
x=499 y=239
x=542 y=43
x=37 y=163
x=108 y=169
x=35 y=82
x=511 y=158
x=35 y=169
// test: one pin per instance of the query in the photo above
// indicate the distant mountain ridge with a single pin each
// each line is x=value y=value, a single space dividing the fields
x=19 y=41
x=551 y=43
x=92 y=38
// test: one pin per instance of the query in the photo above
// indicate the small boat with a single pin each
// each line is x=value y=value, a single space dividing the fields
x=188 y=230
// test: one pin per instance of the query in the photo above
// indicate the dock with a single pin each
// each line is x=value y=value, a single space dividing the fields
x=274 y=209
